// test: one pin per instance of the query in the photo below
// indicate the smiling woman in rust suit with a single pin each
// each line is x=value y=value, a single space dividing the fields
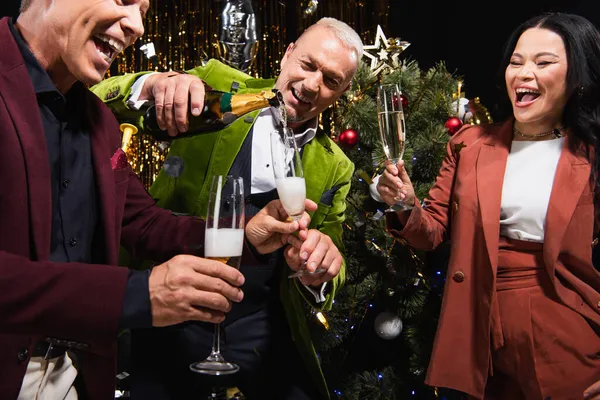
x=521 y=312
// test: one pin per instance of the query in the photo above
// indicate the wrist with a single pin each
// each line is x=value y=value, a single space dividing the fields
x=146 y=92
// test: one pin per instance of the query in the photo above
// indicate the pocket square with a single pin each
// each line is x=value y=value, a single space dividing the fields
x=119 y=160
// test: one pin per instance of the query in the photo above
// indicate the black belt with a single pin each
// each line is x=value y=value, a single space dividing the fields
x=52 y=348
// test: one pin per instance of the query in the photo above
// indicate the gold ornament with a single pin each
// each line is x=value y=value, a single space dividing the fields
x=384 y=51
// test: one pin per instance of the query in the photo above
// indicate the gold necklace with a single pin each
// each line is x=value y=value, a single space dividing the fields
x=555 y=131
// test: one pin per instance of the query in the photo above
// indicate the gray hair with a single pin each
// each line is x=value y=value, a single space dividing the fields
x=24 y=5
x=344 y=33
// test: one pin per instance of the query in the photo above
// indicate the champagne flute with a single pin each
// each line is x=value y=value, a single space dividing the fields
x=288 y=172
x=392 y=127
x=224 y=242
x=289 y=179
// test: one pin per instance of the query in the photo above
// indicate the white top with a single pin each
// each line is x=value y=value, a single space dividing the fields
x=528 y=180
x=263 y=179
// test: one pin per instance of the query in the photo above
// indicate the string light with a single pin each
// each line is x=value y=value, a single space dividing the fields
x=323 y=320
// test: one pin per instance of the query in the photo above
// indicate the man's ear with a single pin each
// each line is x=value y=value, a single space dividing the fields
x=288 y=51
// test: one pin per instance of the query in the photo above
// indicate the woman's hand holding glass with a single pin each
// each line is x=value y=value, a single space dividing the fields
x=395 y=183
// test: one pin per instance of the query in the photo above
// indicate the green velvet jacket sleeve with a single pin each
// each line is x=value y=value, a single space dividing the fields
x=115 y=92
x=328 y=219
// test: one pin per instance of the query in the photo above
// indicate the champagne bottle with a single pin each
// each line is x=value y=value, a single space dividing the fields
x=221 y=109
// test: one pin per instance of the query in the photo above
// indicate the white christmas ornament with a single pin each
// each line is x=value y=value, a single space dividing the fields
x=461 y=109
x=373 y=189
x=388 y=325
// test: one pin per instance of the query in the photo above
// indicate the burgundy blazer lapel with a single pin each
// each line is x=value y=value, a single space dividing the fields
x=18 y=94
x=572 y=176
x=490 y=166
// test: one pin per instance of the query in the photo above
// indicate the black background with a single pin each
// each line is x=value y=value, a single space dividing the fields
x=467 y=35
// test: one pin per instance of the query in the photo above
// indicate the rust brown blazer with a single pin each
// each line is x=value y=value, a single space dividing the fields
x=464 y=206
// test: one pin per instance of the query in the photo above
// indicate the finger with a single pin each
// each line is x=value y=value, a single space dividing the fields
x=275 y=209
x=196 y=97
x=180 y=106
x=159 y=105
x=217 y=285
x=391 y=169
x=286 y=227
x=317 y=256
x=593 y=392
x=292 y=258
x=205 y=315
x=310 y=205
x=330 y=256
x=310 y=244
x=391 y=180
x=302 y=234
x=387 y=191
x=209 y=300
x=334 y=269
x=403 y=175
x=304 y=221
x=326 y=275
x=217 y=269
x=295 y=241
x=169 y=105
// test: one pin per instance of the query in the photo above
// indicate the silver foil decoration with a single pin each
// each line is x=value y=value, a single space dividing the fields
x=238 y=43
x=311 y=8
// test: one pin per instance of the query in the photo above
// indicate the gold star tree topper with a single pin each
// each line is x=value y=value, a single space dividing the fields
x=384 y=51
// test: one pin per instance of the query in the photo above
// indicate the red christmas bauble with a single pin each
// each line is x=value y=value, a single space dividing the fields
x=348 y=138
x=403 y=101
x=453 y=124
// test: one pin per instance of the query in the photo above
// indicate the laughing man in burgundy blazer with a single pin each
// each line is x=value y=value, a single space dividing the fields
x=69 y=200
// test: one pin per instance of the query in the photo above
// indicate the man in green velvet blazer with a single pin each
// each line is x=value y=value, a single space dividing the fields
x=315 y=72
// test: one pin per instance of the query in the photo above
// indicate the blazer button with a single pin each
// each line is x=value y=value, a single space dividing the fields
x=458 y=276
x=23 y=355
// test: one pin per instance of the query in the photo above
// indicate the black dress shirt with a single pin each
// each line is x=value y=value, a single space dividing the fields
x=74 y=198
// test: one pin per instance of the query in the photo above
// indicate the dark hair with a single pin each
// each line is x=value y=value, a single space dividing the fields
x=582 y=110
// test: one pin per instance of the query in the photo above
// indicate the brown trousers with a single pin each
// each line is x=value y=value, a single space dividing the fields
x=546 y=351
